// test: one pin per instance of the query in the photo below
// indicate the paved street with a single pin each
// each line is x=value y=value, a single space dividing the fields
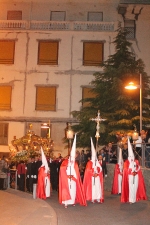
x=19 y=208
x=110 y=212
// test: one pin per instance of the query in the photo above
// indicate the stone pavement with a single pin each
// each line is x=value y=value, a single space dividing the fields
x=19 y=208
x=111 y=212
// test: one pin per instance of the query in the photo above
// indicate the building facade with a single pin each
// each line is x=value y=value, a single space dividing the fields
x=49 y=51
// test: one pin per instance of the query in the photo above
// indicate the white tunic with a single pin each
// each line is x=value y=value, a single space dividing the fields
x=71 y=184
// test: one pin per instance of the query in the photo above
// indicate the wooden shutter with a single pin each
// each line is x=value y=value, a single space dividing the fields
x=95 y=16
x=3 y=133
x=46 y=98
x=48 y=53
x=87 y=93
x=5 y=97
x=14 y=15
x=7 y=49
x=58 y=15
x=92 y=53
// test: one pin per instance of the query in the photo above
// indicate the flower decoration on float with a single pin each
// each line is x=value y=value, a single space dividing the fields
x=29 y=146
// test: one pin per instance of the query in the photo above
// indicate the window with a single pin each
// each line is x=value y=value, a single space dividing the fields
x=7 y=49
x=58 y=15
x=46 y=98
x=87 y=93
x=3 y=133
x=14 y=15
x=5 y=97
x=48 y=53
x=95 y=16
x=92 y=53
x=130 y=27
x=46 y=132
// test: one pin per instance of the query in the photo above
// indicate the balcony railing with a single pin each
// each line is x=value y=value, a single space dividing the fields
x=57 y=25
x=135 y=2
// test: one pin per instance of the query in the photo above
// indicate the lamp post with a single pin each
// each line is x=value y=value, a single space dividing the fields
x=69 y=134
x=131 y=86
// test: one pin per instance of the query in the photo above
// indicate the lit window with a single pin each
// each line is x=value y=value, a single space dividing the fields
x=92 y=53
x=46 y=98
x=87 y=93
x=95 y=16
x=130 y=27
x=7 y=49
x=14 y=15
x=48 y=53
x=3 y=133
x=57 y=15
x=5 y=97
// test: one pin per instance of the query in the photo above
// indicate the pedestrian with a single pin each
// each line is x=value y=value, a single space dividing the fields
x=21 y=170
x=147 y=152
x=103 y=164
x=70 y=184
x=93 y=179
x=3 y=173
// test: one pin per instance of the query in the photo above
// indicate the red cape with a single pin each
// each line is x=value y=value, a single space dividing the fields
x=115 y=180
x=63 y=185
x=41 y=183
x=141 y=191
x=87 y=182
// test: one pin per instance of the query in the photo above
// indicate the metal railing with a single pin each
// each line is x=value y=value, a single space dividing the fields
x=141 y=153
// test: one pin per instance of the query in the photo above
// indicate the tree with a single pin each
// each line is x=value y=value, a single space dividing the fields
x=119 y=107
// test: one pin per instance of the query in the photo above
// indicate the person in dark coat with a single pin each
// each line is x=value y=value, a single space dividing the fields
x=103 y=165
x=21 y=170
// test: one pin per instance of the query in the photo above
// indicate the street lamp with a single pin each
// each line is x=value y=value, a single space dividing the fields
x=69 y=134
x=131 y=86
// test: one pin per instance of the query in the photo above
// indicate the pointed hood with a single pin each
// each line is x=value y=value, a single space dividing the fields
x=93 y=152
x=120 y=159
x=73 y=150
x=130 y=155
x=94 y=157
x=44 y=161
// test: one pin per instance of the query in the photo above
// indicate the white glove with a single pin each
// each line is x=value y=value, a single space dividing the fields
x=31 y=176
x=34 y=176
x=105 y=175
x=27 y=176
x=18 y=176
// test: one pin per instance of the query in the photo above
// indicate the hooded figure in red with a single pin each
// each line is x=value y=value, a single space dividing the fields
x=133 y=185
x=93 y=179
x=118 y=171
x=43 y=185
x=70 y=186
